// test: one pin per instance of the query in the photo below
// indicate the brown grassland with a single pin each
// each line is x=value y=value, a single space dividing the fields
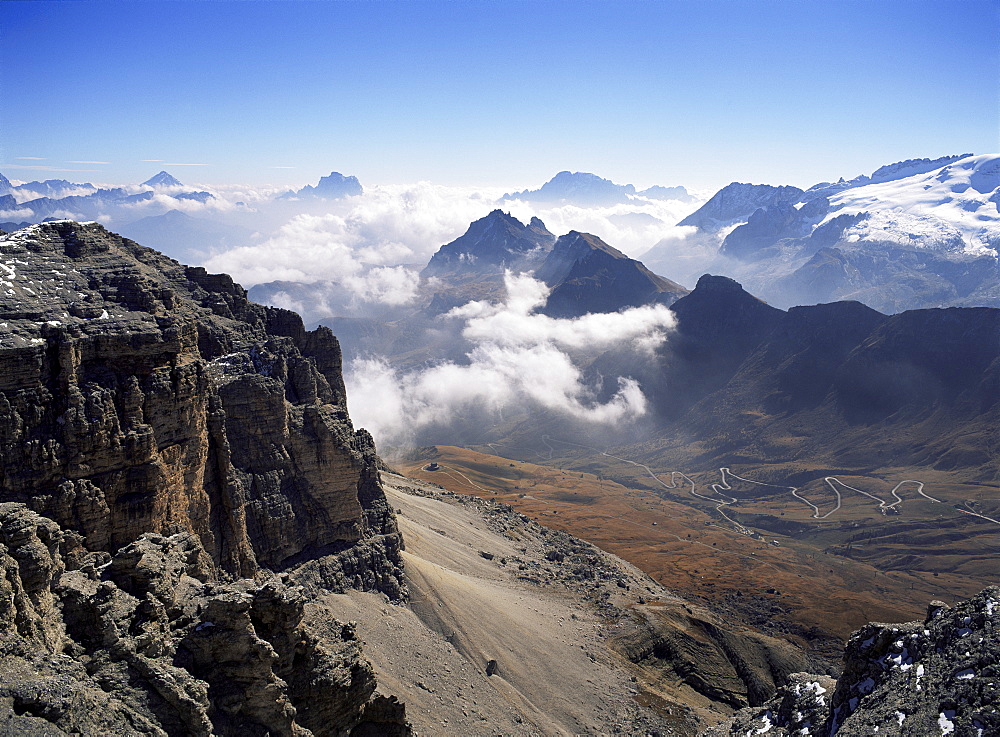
x=764 y=559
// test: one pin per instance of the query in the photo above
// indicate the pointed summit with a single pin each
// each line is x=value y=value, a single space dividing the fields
x=491 y=244
x=587 y=275
x=163 y=179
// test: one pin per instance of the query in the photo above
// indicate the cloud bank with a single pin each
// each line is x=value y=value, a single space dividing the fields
x=520 y=360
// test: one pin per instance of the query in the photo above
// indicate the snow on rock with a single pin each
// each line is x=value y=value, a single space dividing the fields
x=919 y=678
x=955 y=208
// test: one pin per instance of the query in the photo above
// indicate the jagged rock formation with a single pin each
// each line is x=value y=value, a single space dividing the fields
x=588 y=275
x=141 y=399
x=147 y=641
x=332 y=187
x=139 y=395
x=490 y=245
x=472 y=266
x=939 y=676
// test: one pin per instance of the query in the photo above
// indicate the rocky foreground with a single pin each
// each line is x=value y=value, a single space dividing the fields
x=936 y=677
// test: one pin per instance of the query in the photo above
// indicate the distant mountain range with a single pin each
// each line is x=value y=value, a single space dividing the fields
x=54 y=199
x=332 y=187
x=187 y=238
x=919 y=233
x=590 y=190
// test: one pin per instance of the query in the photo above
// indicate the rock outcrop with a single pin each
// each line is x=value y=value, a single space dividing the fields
x=939 y=676
x=139 y=395
x=145 y=642
x=174 y=461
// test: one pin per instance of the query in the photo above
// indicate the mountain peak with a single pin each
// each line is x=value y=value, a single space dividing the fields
x=163 y=179
x=492 y=243
x=332 y=187
x=578 y=187
x=713 y=283
x=587 y=275
x=735 y=202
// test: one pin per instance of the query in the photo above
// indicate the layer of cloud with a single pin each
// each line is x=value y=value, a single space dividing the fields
x=631 y=227
x=406 y=224
x=519 y=360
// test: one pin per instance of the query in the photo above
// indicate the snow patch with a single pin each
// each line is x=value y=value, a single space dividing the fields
x=945 y=721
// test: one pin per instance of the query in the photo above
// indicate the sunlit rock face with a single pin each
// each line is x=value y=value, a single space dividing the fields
x=139 y=395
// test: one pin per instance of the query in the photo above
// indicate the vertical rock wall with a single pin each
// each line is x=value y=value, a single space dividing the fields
x=138 y=395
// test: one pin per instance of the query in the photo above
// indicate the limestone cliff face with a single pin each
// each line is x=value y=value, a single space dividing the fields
x=139 y=395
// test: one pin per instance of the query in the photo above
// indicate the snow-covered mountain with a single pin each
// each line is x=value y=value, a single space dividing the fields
x=163 y=179
x=918 y=233
x=954 y=208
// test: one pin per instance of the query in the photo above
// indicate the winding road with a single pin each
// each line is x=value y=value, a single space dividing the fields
x=723 y=500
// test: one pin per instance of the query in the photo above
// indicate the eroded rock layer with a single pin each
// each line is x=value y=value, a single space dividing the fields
x=139 y=395
x=178 y=476
x=144 y=642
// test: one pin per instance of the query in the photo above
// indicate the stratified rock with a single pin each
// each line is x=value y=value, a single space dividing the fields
x=139 y=395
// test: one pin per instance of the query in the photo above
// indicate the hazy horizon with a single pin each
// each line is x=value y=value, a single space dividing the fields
x=471 y=93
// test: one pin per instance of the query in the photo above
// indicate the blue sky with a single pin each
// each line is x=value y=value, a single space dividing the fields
x=494 y=93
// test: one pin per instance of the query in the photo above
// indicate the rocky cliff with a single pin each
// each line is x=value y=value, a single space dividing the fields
x=938 y=676
x=139 y=395
x=145 y=642
x=145 y=403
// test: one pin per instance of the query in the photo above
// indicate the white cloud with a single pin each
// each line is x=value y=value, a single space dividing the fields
x=519 y=360
x=389 y=285
x=405 y=224
x=631 y=227
x=24 y=213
